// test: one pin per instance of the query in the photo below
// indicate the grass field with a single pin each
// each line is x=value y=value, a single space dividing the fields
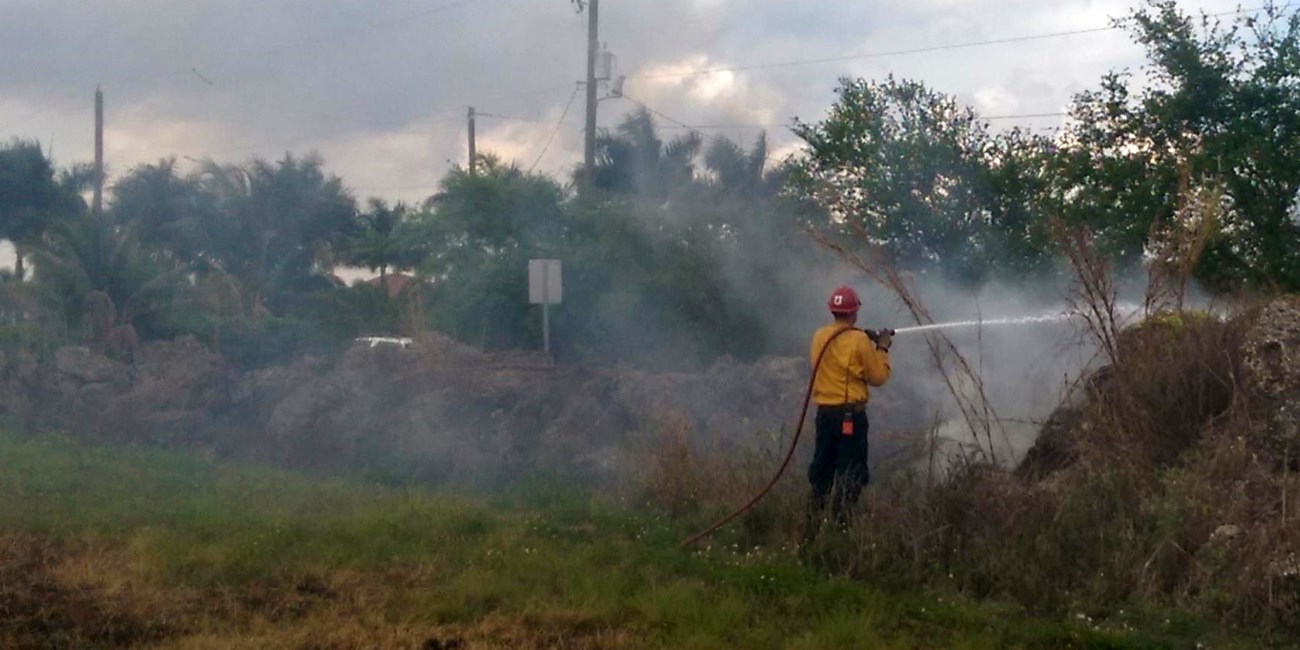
x=136 y=548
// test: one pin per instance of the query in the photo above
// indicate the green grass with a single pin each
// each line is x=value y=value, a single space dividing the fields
x=204 y=524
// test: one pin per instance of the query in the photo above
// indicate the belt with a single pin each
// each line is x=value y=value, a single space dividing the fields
x=855 y=407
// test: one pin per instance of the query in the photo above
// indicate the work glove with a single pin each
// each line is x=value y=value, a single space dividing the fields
x=884 y=339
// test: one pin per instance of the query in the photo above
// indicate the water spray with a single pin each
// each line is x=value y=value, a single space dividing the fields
x=1124 y=311
x=1023 y=320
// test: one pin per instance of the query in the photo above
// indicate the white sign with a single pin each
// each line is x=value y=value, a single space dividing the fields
x=544 y=286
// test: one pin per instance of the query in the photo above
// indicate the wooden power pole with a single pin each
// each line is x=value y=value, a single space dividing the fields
x=473 y=150
x=97 y=202
x=589 y=142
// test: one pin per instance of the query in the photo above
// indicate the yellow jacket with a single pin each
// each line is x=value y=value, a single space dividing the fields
x=851 y=364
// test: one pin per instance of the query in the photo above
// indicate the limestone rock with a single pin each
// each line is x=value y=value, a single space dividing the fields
x=1271 y=358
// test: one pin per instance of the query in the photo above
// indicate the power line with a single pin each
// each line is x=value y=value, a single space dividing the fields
x=779 y=125
x=739 y=125
x=678 y=124
x=871 y=55
x=507 y=118
x=916 y=50
x=563 y=115
x=661 y=114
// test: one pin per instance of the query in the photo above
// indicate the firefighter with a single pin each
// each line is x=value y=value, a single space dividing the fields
x=852 y=362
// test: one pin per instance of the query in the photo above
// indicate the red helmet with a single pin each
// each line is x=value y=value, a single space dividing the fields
x=844 y=301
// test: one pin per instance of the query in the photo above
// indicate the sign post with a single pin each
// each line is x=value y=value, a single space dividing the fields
x=545 y=289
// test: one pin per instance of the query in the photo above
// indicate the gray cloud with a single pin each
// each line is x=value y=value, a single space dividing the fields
x=380 y=87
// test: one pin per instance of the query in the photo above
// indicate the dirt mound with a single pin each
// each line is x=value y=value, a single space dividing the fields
x=1054 y=449
x=1175 y=378
x=433 y=411
x=165 y=395
x=439 y=411
x=1179 y=378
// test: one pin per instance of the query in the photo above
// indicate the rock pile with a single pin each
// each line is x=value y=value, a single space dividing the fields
x=1271 y=357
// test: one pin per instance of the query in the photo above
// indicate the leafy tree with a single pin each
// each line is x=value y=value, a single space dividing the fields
x=643 y=281
x=1221 y=106
x=499 y=210
x=639 y=288
x=477 y=233
x=1019 y=241
x=912 y=171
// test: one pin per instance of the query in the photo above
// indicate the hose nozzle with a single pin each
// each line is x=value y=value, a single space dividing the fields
x=874 y=335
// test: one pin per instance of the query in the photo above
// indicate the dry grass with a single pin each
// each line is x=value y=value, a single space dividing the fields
x=1161 y=503
x=101 y=594
x=1175 y=246
x=696 y=478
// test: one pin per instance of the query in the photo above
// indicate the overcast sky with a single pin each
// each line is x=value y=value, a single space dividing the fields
x=380 y=87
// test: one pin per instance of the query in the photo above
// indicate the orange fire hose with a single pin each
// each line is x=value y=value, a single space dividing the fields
x=789 y=454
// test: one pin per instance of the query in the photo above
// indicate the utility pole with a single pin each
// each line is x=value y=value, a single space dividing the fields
x=473 y=151
x=97 y=202
x=589 y=144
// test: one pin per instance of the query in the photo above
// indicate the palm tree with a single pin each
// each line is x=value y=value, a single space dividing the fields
x=378 y=245
x=635 y=160
x=94 y=273
x=738 y=172
x=31 y=197
x=169 y=211
x=276 y=228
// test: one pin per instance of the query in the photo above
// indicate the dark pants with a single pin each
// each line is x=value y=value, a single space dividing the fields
x=839 y=465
